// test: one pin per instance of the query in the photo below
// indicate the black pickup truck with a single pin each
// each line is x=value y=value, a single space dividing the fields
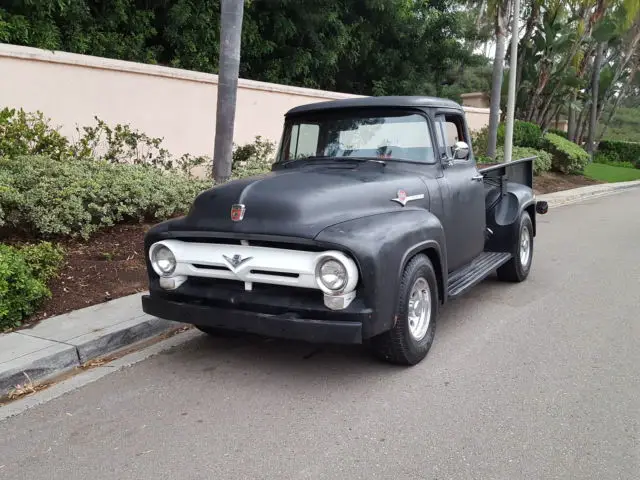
x=374 y=215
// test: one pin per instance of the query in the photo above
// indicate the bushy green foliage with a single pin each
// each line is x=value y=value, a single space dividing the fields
x=540 y=165
x=29 y=133
x=568 y=157
x=253 y=158
x=618 y=151
x=525 y=134
x=555 y=131
x=24 y=273
x=48 y=198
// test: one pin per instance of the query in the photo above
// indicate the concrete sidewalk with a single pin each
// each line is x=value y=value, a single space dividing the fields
x=60 y=344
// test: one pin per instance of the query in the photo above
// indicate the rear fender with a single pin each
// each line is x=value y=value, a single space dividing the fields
x=503 y=215
x=381 y=246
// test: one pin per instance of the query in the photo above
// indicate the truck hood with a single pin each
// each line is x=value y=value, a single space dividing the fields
x=301 y=202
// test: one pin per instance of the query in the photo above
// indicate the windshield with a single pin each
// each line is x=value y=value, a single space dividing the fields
x=395 y=135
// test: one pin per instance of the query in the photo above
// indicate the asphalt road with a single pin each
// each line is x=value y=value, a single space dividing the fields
x=535 y=381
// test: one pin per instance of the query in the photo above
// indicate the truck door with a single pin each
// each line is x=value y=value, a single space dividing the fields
x=462 y=193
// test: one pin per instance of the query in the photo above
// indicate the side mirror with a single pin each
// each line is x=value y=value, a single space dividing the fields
x=461 y=151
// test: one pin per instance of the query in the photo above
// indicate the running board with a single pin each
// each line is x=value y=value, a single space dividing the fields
x=475 y=271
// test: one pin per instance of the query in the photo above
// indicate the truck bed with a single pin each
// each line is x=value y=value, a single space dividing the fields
x=518 y=171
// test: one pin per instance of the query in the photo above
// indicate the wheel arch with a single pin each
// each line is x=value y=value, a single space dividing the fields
x=432 y=250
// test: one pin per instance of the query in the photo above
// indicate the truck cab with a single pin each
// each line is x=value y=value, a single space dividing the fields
x=373 y=216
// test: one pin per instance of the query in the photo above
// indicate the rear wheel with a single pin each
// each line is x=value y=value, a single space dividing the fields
x=412 y=334
x=517 y=269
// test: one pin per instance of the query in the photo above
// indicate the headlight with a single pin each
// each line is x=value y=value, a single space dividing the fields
x=163 y=261
x=332 y=274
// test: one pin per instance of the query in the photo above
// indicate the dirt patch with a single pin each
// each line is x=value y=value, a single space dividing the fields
x=110 y=265
x=554 y=182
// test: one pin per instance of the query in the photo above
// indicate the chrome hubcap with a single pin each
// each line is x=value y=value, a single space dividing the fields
x=419 y=311
x=525 y=247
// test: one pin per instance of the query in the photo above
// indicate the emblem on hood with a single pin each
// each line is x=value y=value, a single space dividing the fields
x=237 y=212
x=236 y=260
x=402 y=198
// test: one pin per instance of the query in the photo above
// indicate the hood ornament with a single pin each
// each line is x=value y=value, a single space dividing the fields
x=402 y=198
x=236 y=260
x=237 y=212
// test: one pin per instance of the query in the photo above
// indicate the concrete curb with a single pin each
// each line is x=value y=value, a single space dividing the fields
x=60 y=344
x=574 y=195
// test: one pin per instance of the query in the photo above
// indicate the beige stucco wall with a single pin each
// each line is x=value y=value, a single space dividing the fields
x=178 y=105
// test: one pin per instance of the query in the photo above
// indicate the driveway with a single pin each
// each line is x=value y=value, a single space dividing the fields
x=537 y=380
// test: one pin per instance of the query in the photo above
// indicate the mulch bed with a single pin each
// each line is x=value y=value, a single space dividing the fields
x=111 y=264
x=554 y=182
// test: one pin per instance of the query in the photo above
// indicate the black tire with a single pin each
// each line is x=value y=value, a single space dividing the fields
x=514 y=270
x=398 y=345
x=218 y=332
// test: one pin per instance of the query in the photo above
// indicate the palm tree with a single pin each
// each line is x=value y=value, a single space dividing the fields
x=230 y=38
x=499 y=11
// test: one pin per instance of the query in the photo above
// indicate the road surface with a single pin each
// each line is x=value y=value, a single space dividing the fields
x=538 y=380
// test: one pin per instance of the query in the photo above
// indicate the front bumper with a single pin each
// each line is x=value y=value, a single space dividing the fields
x=293 y=325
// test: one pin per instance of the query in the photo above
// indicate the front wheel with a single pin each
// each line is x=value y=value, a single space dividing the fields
x=517 y=269
x=412 y=334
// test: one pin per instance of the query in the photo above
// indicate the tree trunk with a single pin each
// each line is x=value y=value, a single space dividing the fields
x=582 y=126
x=595 y=84
x=571 y=120
x=496 y=80
x=231 y=12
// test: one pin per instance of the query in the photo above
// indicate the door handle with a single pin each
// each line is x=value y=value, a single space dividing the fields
x=477 y=178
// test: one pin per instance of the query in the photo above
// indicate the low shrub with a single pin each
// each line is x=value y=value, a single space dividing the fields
x=568 y=158
x=31 y=133
x=48 y=198
x=24 y=272
x=27 y=133
x=253 y=158
x=620 y=151
x=560 y=133
x=540 y=165
x=611 y=158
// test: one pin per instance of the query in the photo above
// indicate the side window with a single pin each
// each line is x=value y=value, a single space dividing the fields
x=304 y=140
x=450 y=130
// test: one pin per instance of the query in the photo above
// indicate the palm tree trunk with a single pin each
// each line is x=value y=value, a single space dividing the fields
x=231 y=12
x=571 y=120
x=496 y=81
x=595 y=84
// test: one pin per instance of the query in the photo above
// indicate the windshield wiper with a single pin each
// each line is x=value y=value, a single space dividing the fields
x=342 y=159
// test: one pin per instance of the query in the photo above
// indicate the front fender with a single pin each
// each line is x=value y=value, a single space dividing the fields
x=381 y=246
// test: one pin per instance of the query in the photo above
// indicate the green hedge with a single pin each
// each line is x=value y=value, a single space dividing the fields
x=525 y=134
x=47 y=198
x=618 y=151
x=540 y=165
x=568 y=158
x=24 y=273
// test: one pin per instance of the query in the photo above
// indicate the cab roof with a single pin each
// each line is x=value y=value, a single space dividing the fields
x=373 y=102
